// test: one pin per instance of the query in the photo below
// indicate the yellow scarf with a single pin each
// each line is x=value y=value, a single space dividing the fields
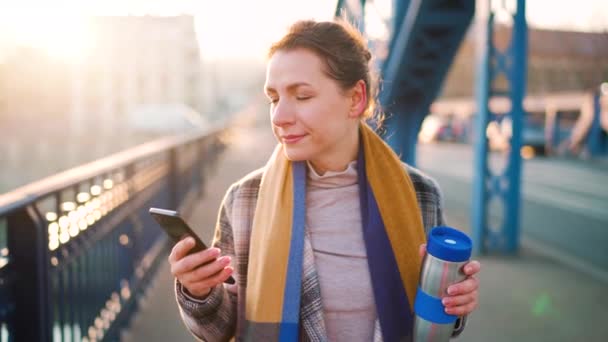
x=275 y=257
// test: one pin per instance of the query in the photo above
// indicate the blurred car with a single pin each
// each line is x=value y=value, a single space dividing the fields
x=442 y=128
x=532 y=137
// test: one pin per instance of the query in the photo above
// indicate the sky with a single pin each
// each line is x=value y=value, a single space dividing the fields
x=231 y=28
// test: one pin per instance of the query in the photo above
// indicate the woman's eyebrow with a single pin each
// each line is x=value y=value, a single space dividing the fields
x=290 y=87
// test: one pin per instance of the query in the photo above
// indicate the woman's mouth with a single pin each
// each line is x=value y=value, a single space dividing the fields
x=292 y=138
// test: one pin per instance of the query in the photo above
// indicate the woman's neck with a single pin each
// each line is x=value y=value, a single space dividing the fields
x=338 y=158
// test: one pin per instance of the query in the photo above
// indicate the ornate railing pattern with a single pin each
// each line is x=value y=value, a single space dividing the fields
x=77 y=248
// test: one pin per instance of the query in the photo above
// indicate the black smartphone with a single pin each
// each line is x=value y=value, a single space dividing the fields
x=178 y=229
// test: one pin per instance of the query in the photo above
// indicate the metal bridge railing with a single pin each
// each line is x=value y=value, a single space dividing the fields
x=77 y=248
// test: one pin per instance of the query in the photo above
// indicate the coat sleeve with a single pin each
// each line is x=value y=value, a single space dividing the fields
x=213 y=318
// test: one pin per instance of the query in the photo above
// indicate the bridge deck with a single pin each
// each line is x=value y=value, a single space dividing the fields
x=521 y=298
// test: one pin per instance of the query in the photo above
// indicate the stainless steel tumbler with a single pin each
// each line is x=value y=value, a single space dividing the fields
x=448 y=250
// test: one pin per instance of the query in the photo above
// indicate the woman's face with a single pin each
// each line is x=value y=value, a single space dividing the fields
x=311 y=116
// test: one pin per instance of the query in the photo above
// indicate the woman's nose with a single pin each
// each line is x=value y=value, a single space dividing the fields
x=282 y=114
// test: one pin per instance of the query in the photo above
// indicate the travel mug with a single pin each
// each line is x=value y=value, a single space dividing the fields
x=448 y=250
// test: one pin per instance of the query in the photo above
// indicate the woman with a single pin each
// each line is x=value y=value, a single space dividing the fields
x=326 y=240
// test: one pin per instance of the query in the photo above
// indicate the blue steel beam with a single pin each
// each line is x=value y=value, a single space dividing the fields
x=492 y=231
x=597 y=138
x=424 y=40
x=353 y=11
x=426 y=37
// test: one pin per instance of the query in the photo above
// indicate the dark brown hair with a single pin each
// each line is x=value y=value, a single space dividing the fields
x=342 y=48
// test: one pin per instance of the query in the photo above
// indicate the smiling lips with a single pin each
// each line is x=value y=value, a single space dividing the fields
x=292 y=138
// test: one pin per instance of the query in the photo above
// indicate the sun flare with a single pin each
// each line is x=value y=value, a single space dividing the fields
x=62 y=36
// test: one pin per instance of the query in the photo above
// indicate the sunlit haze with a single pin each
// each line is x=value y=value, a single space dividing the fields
x=226 y=29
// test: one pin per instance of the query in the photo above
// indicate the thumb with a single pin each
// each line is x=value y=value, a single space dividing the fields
x=422 y=250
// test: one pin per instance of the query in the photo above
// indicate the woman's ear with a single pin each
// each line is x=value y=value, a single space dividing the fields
x=358 y=100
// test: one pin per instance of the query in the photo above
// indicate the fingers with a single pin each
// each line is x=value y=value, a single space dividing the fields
x=422 y=250
x=190 y=262
x=181 y=249
x=462 y=297
x=471 y=268
x=204 y=272
x=454 y=301
x=223 y=276
x=462 y=310
x=210 y=282
x=199 y=272
x=466 y=286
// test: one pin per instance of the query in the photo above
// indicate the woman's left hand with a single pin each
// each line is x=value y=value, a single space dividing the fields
x=462 y=298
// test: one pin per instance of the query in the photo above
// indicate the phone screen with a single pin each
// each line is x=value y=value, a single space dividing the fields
x=176 y=227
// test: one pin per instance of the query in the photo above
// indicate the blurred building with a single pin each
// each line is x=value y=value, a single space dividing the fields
x=136 y=61
x=558 y=61
x=58 y=113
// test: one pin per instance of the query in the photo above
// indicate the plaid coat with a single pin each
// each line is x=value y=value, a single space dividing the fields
x=221 y=315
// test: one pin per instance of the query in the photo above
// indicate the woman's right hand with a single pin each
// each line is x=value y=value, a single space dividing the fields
x=199 y=272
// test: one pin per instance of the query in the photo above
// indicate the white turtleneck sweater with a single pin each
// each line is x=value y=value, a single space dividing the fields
x=333 y=223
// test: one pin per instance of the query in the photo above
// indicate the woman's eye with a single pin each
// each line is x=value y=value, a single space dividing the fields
x=303 y=98
x=273 y=101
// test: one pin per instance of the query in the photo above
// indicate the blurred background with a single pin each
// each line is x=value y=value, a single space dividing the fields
x=109 y=75
x=81 y=80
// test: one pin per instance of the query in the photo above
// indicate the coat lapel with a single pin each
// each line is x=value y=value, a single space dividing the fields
x=311 y=309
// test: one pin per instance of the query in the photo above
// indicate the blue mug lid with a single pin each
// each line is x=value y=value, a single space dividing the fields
x=449 y=244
